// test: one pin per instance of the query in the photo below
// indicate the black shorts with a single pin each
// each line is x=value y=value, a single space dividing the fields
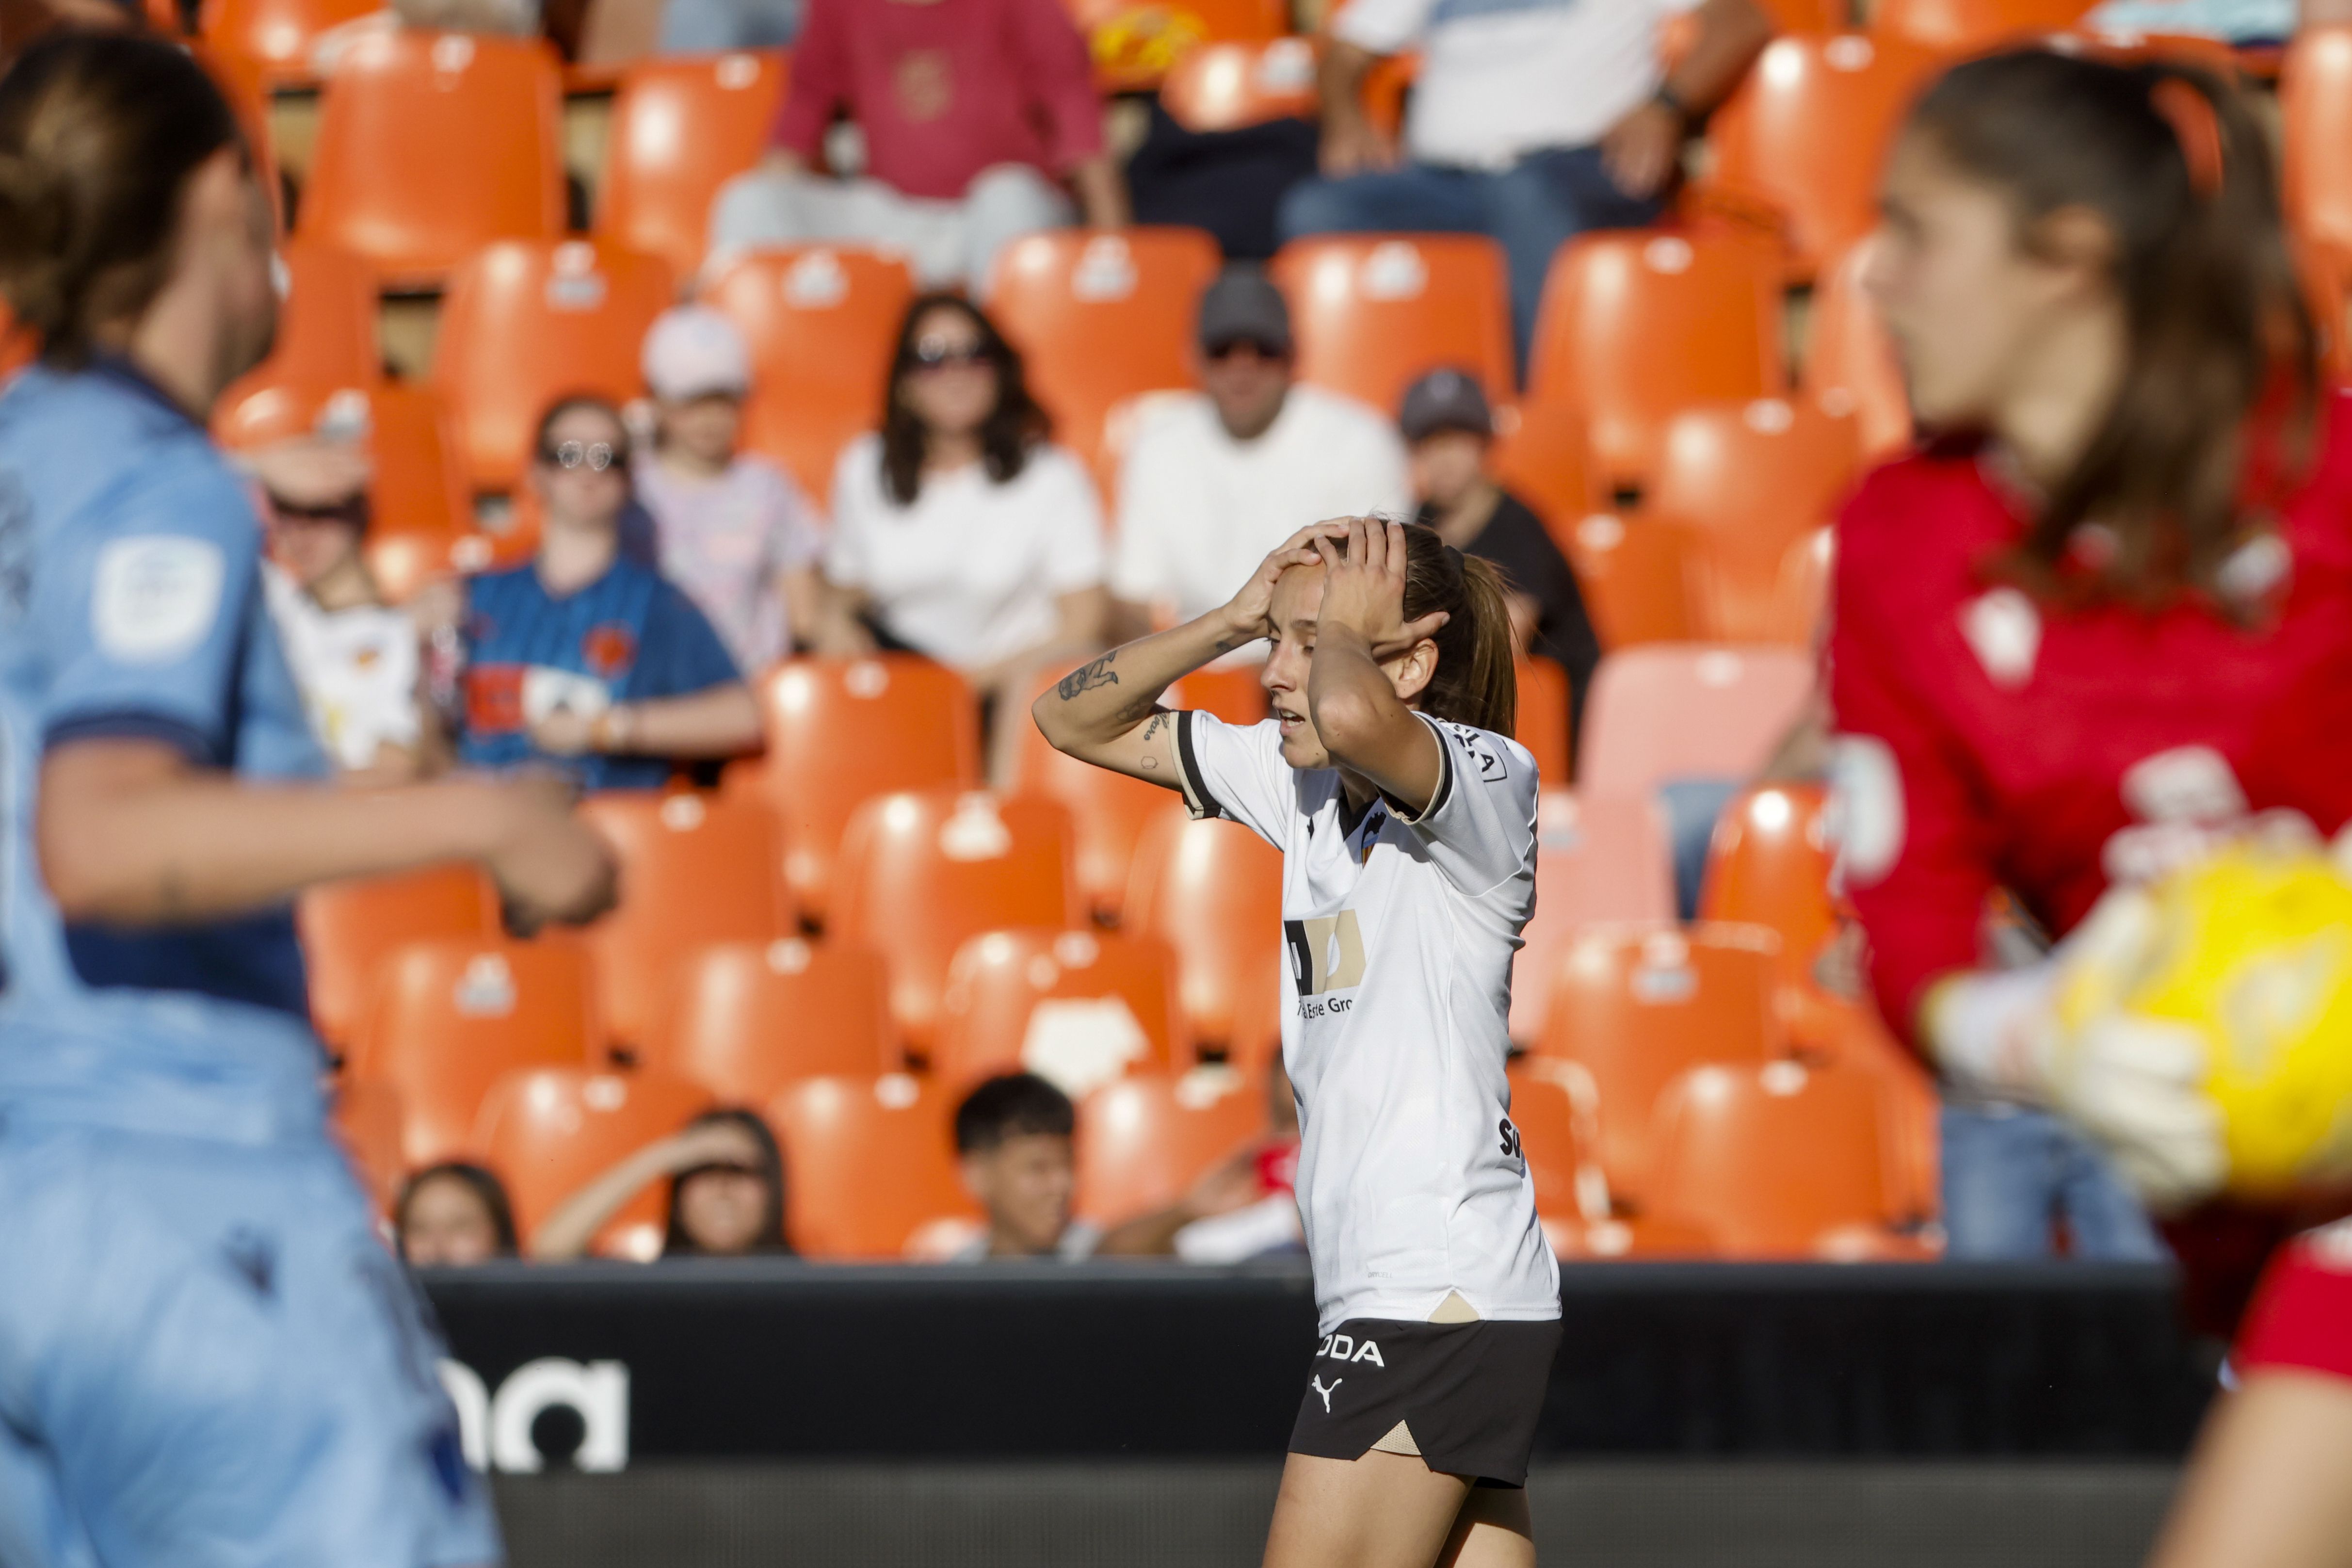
x=1469 y=1393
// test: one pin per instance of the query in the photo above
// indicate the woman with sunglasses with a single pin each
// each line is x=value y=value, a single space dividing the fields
x=583 y=656
x=958 y=531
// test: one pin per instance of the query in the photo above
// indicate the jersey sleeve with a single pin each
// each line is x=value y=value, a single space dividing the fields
x=682 y=653
x=141 y=609
x=1480 y=826
x=1236 y=772
x=1915 y=845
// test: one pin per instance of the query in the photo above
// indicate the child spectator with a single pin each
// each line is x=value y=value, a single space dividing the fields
x=725 y=1196
x=730 y=529
x=582 y=659
x=1016 y=1135
x=453 y=1215
x=1451 y=432
x=959 y=531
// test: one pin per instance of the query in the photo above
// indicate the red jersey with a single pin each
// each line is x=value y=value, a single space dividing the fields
x=1990 y=740
x=2302 y=1316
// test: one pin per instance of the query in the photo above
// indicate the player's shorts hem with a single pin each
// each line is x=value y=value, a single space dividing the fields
x=1470 y=1393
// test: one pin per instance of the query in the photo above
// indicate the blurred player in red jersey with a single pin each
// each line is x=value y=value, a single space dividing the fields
x=2100 y=624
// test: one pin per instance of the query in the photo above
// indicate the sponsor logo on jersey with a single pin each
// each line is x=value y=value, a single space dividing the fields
x=1326 y=954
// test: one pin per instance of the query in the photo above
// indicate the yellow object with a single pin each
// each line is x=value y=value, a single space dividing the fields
x=2252 y=949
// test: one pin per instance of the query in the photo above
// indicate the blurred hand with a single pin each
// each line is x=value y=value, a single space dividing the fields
x=1231 y=1184
x=1354 y=145
x=1641 y=151
x=549 y=865
x=2137 y=1085
x=563 y=733
x=713 y=1143
x=311 y=471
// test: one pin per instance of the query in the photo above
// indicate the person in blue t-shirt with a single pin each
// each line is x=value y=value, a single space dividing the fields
x=206 y=1352
x=583 y=659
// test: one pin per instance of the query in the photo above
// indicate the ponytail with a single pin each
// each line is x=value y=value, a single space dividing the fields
x=1476 y=682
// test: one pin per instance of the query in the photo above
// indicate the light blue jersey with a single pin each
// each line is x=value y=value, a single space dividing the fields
x=207 y=1356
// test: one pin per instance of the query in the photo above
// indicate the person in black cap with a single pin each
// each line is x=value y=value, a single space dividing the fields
x=1214 y=479
x=1449 y=431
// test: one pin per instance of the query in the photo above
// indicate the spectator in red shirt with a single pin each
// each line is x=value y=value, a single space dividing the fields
x=979 y=119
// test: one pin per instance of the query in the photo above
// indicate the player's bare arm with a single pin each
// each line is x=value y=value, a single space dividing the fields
x=1108 y=711
x=1366 y=655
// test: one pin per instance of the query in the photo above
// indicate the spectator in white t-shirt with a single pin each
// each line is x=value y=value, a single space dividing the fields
x=731 y=529
x=1212 y=480
x=959 y=529
x=1532 y=121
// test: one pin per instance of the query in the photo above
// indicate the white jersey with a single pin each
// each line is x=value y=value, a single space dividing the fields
x=1395 y=1001
x=357 y=669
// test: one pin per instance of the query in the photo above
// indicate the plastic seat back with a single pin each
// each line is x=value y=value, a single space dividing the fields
x=2316 y=100
x=1634 y=1006
x=925 y=871
x=349 y=928
x=276 y=37
x=17 y=344
x=1768 y=865
x=1235 y=692
x=1750 y=482
x=1135 y=42
x=431 y=145
x=1688 y=711
x=326 y=325
x=1597 y=862
x=1637 y=324
x=1372 y=313
x=1543 y=716
x=1632 y=572
x=449 y=1016
x=1970 y=26
x=1554 y=1117
x=549 y=1132
x=1228 y=86
x=844 y=731
x=1100 y=315
x=682 y=126
x=868 y=1162
x=528 y=321
x=1539 y=453
x=1109 y=811
x=1212 y=891
x=366 y=1118
x=1774 y=1158
x=1076 y=1007
x=1807 y=131
x=821 y=320
x=1146 y=1139
x=746 y=1018
x=1850 y=364
x=695 y=870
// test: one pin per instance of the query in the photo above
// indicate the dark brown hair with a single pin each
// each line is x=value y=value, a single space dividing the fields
x=677 y=1242
x=1476 y=682
x=2217 y=325
x=1015 y=425
x=98 y=134
x=487 y=1191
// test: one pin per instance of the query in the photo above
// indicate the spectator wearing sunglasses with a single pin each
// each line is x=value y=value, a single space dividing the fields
x=584 y=658
x=1214 y=479
x=959 y=529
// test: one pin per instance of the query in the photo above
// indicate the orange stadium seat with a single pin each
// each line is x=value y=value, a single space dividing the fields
x=1850 y=364
x=1667 y=711
x=349 y=928
x=843 y=731
x=432 y=145
x=1374 y=312
x=449 y=1016
x=1539 y=454
x=1076 y=1007
x=1212 y=891
x=1969 y=26
x=1638 y=324
x=549 y=1132
x=682 y=126
x=821 y=320
x=1228 y=86
x=1135 y=42
x=18 y=346
x=1554 y=1132
x=1143 y=1140
x=1768 y=865
x=1633 y=1006
x=746 y=1018
x=1911 y=1110
x=1779 y=1160
x=1801 y=595
x=326 y=324
x=1632 y=574
x=529 y=320
x=695 y=870
x=1108 y=810
x=1542 y=726
x=1597 y=860
x=869 y=1161
x=276 y=37
x=1805 y=134
x=1747 y=482
x=2316 y=102
x=1234 y=692
x=1100 y=315
x=364 y=1115
x=924 y=871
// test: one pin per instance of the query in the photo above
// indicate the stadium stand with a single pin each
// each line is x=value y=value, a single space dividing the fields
x=279 y=38
x=1212 y=891
x=1108 y=812
x=367 y=1118
x=1597 y=860
x=1372 y=312
x=1539 y=453
x=1665 y=712
x=1542 y=726
x=1850 y=366
x=348 y=929
x=1230 y=86
x=1078 y=1007
x=1631 y=573
x=549 y=1130
x=681 y=127
x=2315 y=106
x=1959 y=25
x=745 y=1019
x=1145 y=1138
x=872 y=1162
x=1135 y=42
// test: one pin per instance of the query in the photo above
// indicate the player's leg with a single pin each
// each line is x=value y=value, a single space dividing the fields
x=1493 y=1531
x=1381 y=1510
x=2271 y=1483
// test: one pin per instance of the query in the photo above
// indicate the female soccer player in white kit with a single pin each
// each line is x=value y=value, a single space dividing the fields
x=1407 y=822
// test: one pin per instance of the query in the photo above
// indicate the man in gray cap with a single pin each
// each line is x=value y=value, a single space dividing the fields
x=1213 y=479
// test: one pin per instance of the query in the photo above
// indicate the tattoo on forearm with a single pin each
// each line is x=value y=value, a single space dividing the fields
x=1088 y=677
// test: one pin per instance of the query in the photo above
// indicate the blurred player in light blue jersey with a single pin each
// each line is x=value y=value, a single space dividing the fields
x=206 y=1357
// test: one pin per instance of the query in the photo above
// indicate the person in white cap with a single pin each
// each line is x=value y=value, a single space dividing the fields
x=732 y=530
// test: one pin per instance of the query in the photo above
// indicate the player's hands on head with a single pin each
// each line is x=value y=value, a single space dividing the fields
x=549 y=867
x=1249 y=613
x=1363 y=589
